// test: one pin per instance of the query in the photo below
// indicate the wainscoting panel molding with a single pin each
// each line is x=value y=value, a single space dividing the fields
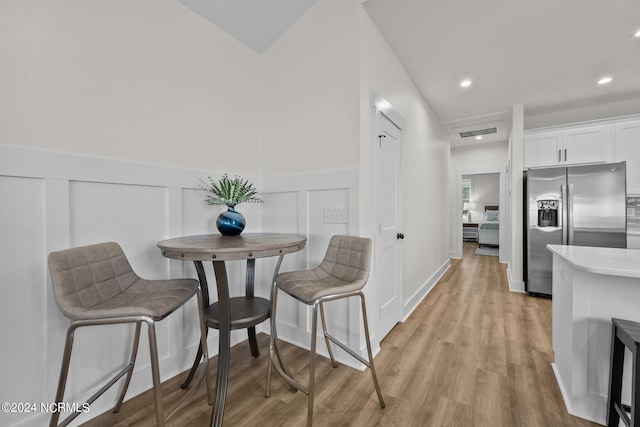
x=53 y=201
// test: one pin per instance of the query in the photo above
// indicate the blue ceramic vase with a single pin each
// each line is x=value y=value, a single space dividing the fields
x=231 y=222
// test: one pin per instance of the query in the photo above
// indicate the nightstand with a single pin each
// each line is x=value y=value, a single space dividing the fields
x=470 y=231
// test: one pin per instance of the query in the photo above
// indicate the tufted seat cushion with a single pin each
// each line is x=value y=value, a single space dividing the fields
x=345 y=268
x=97 y=281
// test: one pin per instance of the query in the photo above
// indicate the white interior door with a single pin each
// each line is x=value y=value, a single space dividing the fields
x=388 y=217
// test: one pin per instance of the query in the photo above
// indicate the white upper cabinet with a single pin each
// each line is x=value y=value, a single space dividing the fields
x=543 y=149
x=627 y=149
x=587 y=145
x=570 y=146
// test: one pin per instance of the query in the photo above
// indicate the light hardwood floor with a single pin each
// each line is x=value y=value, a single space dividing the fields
x=472 y=354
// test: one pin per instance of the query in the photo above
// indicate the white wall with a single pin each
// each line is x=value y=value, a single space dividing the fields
x=144 y=80
x=295 y=204
x=310 y=93
x=426 y=162
x=515 y=191
x=317 y=85
x=121 y=107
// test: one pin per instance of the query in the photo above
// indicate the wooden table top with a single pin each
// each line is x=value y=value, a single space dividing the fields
x=216 y=247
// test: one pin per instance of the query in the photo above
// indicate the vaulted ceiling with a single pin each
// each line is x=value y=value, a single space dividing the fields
x=256 y=23
x=547 y=55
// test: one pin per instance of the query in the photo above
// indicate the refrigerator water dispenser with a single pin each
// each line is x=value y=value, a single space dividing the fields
x=548 y=213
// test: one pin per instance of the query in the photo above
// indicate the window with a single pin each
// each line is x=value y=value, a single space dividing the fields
x=467 y=197
x=466 y=190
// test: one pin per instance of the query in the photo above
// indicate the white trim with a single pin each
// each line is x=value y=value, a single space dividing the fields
x=383 y=106
x=502 y=170
x=414 y=301
x=563 y=389
x=23 y=162
x=609 y=120
x=346 y=178
x=514 y=285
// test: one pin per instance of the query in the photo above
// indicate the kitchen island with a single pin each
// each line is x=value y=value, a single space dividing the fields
x=590 y=286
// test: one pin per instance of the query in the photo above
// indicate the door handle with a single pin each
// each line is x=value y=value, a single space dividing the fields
x=570 y=214
x=564 y=217
x=400 y=236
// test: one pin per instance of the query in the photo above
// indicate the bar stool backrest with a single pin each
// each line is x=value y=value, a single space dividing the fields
x=348 y=258
x=89 y=275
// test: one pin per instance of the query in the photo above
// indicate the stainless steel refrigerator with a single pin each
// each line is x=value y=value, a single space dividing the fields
x=577 y=205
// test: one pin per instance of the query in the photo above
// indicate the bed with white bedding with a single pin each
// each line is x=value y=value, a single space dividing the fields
x=489 y=228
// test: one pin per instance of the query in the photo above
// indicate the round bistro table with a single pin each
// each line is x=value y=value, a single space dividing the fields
x=230 y=313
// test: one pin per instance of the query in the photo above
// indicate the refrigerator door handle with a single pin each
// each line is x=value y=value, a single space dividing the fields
x=565 y=222
x=570 y=214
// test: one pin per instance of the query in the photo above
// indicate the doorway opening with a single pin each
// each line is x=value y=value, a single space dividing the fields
x=482 y=211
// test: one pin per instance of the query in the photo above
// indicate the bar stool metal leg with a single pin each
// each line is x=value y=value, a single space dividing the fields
x=370 y=353
x=126 y=370
x=312 y=365
x=132 y=362
x=326 y=337
x=155 y=372
x=64 y=373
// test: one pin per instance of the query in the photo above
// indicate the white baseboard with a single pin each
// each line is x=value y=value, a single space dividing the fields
x=586 y=404
x=514 y=285
x=415 y=300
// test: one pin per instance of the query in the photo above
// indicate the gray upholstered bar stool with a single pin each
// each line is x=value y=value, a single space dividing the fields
x=342 y=274
x=95 y=285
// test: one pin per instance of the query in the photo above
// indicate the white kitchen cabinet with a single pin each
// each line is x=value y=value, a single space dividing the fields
x=590 y=286
x=627 y=148
x=587 y=144
x=543 y=149
x=571 y=146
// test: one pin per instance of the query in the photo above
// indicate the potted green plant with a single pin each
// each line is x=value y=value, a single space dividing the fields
x=230 y=192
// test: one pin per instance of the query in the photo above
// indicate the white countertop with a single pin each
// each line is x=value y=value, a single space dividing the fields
x=609 y=261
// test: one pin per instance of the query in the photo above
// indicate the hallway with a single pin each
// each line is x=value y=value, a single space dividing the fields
x=488 y=352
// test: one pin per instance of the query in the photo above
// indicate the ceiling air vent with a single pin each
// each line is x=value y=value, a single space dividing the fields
x=478 y=132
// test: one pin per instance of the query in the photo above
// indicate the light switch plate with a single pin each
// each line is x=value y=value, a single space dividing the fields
x=335 y=216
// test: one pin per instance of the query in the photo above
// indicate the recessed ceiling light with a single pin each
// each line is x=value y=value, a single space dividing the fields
x=604 y=80
x=478 y=138
x=638 y=33
x=465 y=83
